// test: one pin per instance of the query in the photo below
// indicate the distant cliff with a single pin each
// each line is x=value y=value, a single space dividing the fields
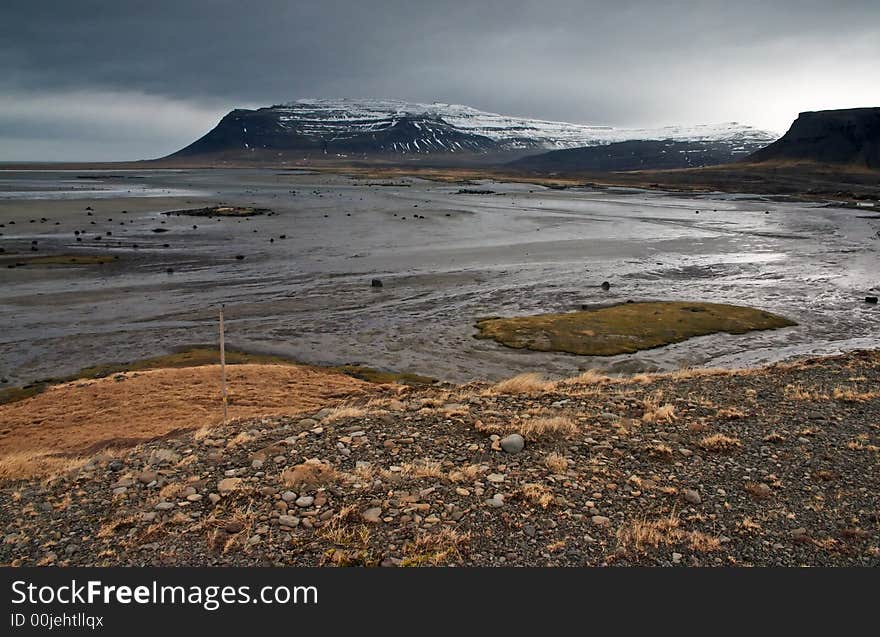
x=848 y=137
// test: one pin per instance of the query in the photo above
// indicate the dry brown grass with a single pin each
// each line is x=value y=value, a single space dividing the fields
x=664 y=413
x=799 y=392
x=719 y=443
x=703 y=372
x=171 y=490
x=345 y=411
x=467 y=473
x=80 y=417
x=641 y=535
x=730 y=413
x=748 y=525
x=434 y=549
x=853 y=395
x=550 y=427
x=343 y=530
x=589 y=377
x=660 y=449
x=34 y=463
x=312 y=474
x=111 y=527
x=241 y=438
x=538 y=494
x=424 y=468
x=556 y=462
x=531 y=383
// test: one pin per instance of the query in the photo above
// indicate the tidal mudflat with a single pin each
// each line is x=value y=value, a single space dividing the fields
x=297 y=281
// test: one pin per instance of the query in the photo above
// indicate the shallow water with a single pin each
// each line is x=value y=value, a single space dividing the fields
x=526 y=249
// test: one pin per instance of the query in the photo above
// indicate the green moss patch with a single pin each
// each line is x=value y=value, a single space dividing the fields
x=625 y=328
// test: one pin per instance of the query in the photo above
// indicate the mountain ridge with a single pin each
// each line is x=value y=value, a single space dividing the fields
x=369 y=127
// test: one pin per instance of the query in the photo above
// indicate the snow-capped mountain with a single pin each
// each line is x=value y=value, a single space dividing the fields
x=364 y=127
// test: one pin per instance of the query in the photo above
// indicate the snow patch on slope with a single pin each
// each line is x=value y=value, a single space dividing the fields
x=341 y=118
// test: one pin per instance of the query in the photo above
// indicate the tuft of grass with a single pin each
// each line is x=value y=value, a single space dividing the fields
x=345 y=411
x=311 y=474
x=661 y=450
x=434 y=549
x=467 y=473
x=538 y=494
x=241 y=438
x=424 y=468
x=589 y=377
x=551 y=427
x=852 y=395
x=531 y=383
x=556 y=462
x=719 y=443
x=641 y=535
x=664 y=413
x=799 y=392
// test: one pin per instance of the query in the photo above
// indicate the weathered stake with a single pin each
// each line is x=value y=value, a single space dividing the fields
x=223 y=366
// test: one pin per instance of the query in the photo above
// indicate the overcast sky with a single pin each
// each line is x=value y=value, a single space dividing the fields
x=128 y=79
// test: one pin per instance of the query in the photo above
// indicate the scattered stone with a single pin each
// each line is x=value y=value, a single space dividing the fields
x=514 y=443
x=372 y=515
x=288 y=520
x=496 y=501
x=233 y=526
x=692 y=496
x=304 y=501
x=600 y=520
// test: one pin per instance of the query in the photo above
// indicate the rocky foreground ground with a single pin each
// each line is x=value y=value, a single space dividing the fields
x=777 y=466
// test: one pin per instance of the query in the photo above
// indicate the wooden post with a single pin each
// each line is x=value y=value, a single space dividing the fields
x=223 y=366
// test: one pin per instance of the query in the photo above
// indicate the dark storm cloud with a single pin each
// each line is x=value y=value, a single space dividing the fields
x=151 y=75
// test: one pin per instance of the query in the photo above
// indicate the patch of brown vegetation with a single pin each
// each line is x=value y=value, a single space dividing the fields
x=434 y=549
x=641 y=535
x=84 y=416
x=522 y=384
x=719 y=443
x=535 y=429
x=311 y=473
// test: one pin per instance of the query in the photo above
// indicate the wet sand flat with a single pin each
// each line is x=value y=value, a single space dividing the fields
x=298 y=282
